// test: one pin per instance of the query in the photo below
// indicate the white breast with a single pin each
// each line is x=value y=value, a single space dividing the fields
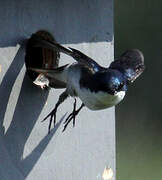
x=100 y=100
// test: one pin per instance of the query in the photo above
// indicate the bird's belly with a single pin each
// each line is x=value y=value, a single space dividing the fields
x=100 y=100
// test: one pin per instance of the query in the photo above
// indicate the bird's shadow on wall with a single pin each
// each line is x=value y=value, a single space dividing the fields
x=30 y=103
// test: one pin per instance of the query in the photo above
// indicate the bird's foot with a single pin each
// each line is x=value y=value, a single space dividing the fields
x=72 y=116
x=52 y=116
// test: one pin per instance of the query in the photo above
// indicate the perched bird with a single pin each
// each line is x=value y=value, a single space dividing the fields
x=97 y=87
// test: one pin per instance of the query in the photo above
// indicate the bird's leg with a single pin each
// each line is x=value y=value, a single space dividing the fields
x=74 y=109
x=52 y=114
x=72 y=115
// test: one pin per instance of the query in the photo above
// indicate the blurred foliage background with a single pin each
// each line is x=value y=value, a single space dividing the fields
x=138 y=24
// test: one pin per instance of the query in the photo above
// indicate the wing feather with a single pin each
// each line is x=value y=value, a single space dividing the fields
x=76 y=54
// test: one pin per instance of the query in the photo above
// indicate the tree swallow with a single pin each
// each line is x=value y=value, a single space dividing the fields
x=97 y=87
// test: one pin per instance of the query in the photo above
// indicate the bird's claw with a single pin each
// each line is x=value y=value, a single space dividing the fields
x=70 y=117
x=52 y=116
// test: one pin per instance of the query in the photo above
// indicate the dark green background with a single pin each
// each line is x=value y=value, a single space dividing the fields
x=138 y=24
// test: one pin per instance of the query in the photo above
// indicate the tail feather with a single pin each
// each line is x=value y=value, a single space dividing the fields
x=56 y=76
x=45 y=71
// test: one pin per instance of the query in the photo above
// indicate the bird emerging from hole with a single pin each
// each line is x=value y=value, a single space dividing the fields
x=97 y=87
